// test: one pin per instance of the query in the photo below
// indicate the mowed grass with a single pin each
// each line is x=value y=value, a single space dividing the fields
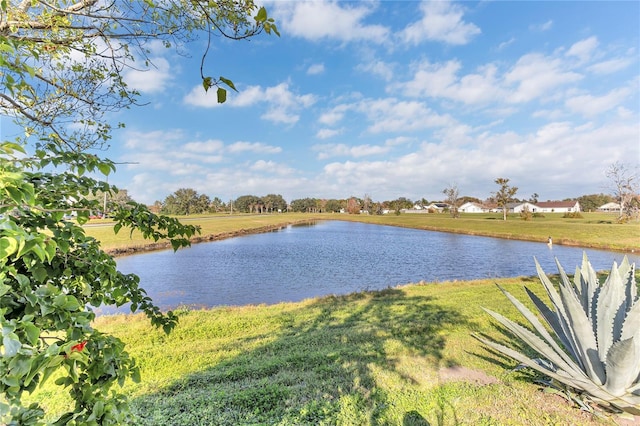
x=401 y=356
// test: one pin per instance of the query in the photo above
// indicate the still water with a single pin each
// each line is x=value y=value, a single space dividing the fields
x=335 y=257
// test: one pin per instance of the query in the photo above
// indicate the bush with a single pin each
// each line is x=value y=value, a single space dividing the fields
x=573 y=215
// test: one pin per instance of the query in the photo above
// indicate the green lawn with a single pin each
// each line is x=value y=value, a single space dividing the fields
x=401 y=356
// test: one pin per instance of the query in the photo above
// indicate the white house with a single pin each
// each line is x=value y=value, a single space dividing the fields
x=557 y=207
x=520 y=207
x=471 y=207
x=609 y=207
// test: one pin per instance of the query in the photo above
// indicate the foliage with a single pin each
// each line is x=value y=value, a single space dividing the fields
x=573 y=215
x=309 y=205
x=526 y=214
x=186 y=201
x=591 y=202
x=334 y=206
x=504 y=195
x=53 y=274
x=64 y=62
x=595 y=346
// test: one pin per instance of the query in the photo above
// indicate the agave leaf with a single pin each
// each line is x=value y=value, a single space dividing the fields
x=622 y=367
x=561 y=314
x=589 y=285
x=523 y=359
x=569 y=364
x=583 y=335
x=554 y=321
x=627 y=273
x=610 y=312
x=631 y=327
x=539 y=345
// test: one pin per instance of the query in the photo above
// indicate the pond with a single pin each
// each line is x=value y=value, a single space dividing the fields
x=335 y=257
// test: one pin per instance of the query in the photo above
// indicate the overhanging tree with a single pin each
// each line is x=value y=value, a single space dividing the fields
x=62 y=67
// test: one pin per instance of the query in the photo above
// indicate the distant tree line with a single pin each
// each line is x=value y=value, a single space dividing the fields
x=187 y=201
x=624 y=188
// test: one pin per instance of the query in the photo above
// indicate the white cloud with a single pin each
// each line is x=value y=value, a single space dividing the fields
x=271 y=167
x=151 y=80
x=327 y=133
x=342 y=150
x=255 y=147
x=441 y=21
x=208 y=147
x=504 y=44
x=590 y=106
x=610 y=66
x=282 y=104
x=535 y=75
x=315 y=69
x=542 y=27
x=331 y=20
x=583 y=49
x=378 y=68
x=441 y=81
x=391 y=115
x=334 y=115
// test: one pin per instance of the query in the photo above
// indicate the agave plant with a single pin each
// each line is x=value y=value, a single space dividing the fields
x=592 y=342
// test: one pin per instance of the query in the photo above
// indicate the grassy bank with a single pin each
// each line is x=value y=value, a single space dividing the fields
x=402 y=356
x=594 y=230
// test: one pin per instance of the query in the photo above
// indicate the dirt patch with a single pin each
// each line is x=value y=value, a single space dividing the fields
x=463 y=374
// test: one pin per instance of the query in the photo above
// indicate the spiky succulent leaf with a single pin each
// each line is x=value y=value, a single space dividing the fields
x=554 y=322
x=586 y=280
x=559 y=375
x=583 y=334
x=538 y=344
x=561 y=314
x=622 y=366
x=568 y=363
x=631 y=330
x=610 y=312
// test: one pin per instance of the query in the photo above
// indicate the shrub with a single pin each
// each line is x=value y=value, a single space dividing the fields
x=573 y=215
x=594 y=344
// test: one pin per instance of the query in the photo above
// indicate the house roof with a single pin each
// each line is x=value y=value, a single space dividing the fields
x=551 y=204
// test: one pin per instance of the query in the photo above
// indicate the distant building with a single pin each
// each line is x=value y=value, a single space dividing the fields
x=609 y=207
x=471 y=207
x=572 y=206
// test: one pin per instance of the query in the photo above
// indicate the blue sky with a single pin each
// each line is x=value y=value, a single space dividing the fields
x=394 y=98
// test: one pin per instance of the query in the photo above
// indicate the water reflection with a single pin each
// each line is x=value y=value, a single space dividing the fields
x=336 y=257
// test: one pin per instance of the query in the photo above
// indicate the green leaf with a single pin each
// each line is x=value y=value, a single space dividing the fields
x=228 y=83
x=207 y=83
x=32 y=332
x=105 y=168
x=222 y=95
x=8 y=246
x=262 y=15
x=11 y=344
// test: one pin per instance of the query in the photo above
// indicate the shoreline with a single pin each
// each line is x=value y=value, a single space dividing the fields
x=165 y=245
